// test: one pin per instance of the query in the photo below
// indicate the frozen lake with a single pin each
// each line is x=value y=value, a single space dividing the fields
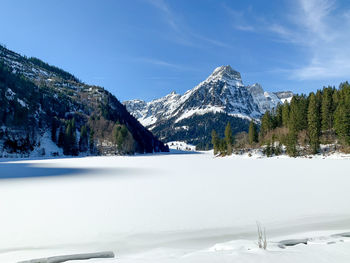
x=174 y=208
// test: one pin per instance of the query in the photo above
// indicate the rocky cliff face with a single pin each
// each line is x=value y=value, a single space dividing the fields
x=284 y=96
x=43 y=108
x=223 y=93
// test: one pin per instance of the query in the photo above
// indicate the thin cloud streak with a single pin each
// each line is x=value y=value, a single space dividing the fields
x=316 y=27
x=183 y=34
x=239 y=20
x=162 y=63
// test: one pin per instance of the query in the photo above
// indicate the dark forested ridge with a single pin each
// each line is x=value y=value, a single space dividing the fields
x=303 y=125
x=37 y=98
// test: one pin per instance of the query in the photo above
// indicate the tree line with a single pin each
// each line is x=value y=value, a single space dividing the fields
x=301 y=126
x=64 y=134
x=223 y=146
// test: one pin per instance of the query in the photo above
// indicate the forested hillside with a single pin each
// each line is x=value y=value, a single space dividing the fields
x=45 y=108
x=300 y=127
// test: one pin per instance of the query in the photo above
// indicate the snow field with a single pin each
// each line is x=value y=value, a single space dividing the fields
x=175 y=208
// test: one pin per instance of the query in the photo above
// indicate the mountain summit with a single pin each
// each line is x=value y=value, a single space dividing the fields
x=222 y=97
x=225 y=73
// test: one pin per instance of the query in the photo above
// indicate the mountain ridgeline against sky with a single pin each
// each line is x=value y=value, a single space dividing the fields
x=190 y=117
x=47 y=111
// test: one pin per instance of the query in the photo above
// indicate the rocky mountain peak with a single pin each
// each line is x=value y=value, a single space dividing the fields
x=190 y=117
x=255 y=88
x=226 y=74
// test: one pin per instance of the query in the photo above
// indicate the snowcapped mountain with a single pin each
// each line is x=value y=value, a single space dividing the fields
x=222 y=92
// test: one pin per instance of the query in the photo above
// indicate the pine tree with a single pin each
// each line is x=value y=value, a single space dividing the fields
x=292 y=144
x=228 y=138
x=292 y=128
x=268 y=149
x=327 y=109
x=83 y=140
x=301 y=117
x=124 y=140
x=252 y=134
x=215 y=141
x=285 y=114
x=91 y=141
x=70 y=144
x=266 y=124
x=313 y=124
x=60 y=142
x=54 y=126
x=342 y=114
x=279 y=118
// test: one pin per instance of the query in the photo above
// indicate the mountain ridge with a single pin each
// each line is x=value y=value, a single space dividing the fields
x=221 y=92
x=38 y=98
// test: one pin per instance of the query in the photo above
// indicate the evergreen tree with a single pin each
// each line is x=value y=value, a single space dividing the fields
x=268 y=149
x=285 y=114
x=301 y=113
x=327 y=109
x=222 y=146
x=124 y=140
x=291 y=146
x=266 y=124
x=313 y=124
x=91 y=141
x=70 y=144
x=60 y=141
x=293 y=126
x=54 y=126
x=252 y=134
x=342 y=114
x=228 y=138
x=83 y=140
x=279 y=118
x=215 y=141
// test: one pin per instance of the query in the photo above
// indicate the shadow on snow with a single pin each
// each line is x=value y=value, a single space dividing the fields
x=24 y=170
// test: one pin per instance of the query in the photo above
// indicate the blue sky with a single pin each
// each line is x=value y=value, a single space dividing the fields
x=147 y=48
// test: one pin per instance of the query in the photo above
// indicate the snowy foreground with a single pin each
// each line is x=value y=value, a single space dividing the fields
x=175 y=208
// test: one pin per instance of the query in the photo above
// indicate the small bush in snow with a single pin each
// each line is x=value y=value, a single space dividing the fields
x=262 y=242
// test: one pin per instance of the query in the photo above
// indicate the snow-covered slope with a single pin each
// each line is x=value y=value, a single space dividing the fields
x=222 y=92
x=186 y=208
x=284 y=96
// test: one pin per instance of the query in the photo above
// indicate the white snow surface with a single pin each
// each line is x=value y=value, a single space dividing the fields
x=182 y=146
x=199 y=111
x=287 y=100
x=175 y=208
x=46 y=147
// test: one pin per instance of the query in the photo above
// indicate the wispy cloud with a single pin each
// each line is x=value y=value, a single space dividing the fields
x=322 y=29
x=239 y=19
x=162 y=78
x=158 y=62
x=162 y=63
x=318 y=28
x=182 y=34
x=167 y=13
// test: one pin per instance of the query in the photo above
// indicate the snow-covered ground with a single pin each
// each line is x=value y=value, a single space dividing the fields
x=181 y=146
x=175 y=208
